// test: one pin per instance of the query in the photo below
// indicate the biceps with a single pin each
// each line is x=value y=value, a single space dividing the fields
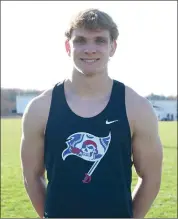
x=32 y=153
x=147 y=156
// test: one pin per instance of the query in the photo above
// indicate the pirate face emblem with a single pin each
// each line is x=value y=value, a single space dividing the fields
x=89 y=151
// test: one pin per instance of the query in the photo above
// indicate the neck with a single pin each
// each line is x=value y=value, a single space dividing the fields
x=89 y=86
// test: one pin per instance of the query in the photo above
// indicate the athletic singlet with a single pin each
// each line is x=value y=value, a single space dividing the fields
x=88 y=160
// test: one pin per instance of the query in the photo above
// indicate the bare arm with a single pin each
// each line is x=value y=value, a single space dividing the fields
x=32 y=153
x=147 y=158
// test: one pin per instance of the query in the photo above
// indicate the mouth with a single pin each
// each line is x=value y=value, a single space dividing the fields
x=89 y=60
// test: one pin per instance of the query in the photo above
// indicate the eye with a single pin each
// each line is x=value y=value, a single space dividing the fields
x=100 y=40
x=79 y=40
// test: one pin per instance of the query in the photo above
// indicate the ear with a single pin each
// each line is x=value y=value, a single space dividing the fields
x=67 y=46
x=113 y=48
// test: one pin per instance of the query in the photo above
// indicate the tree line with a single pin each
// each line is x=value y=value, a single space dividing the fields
x=12 y=93
x=160 y=97
x=8 y=98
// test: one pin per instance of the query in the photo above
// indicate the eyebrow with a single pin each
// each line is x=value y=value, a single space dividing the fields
x=83 y=37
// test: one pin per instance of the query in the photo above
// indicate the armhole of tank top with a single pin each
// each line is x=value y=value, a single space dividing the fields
x=127 y=120
x=47 y=121
x=125 y=110
x=50 y=108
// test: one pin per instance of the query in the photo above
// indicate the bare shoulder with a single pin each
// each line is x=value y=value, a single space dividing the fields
x=140 y=111
x=36 y=113
x=137 y=101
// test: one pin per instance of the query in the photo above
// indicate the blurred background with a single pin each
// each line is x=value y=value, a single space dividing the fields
x=34 y=57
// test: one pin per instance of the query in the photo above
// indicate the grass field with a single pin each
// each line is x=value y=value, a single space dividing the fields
x=14 y=200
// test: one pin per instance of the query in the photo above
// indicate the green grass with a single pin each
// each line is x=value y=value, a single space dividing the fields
x=15 y=202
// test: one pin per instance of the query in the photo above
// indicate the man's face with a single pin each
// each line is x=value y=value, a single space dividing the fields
x=90 y=50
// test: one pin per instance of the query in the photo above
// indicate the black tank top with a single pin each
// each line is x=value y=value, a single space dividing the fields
x=88 y=160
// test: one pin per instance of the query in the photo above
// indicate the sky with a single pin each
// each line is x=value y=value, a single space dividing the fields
x=33 y=54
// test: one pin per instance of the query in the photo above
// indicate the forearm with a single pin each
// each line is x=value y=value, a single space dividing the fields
x=143 y=196
x=36 y=189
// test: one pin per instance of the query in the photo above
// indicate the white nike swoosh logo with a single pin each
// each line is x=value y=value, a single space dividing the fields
x=109 y=122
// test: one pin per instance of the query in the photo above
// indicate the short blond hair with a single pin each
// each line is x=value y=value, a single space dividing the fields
x=93 y=19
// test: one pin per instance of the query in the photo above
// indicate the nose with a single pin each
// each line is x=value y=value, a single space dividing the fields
x=90 y=50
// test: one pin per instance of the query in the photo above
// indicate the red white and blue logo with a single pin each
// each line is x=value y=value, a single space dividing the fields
x=88 y=147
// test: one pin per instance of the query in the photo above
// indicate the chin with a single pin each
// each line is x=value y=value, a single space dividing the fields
x=90 y=72
x=86 y=72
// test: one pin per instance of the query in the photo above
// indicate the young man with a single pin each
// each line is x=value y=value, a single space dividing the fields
x=87 y=132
